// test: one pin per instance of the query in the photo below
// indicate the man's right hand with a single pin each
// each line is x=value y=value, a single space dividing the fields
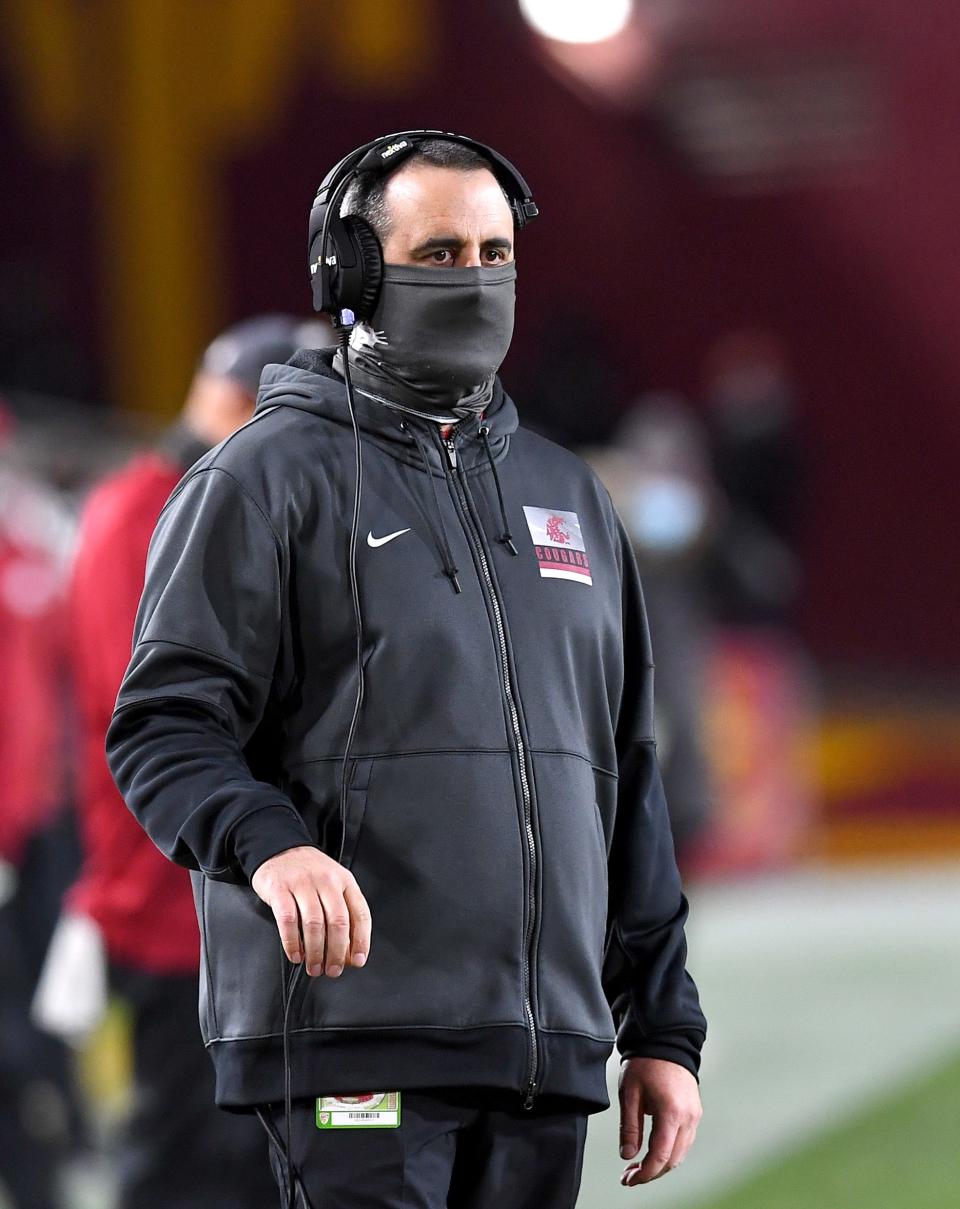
x=314 y=899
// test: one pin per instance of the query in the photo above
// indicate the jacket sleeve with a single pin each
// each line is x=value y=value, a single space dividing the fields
x=654 y=1000
x=204 y=648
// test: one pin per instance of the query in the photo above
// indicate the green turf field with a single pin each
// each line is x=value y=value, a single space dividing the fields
x=904 y=1153
x=826 y=991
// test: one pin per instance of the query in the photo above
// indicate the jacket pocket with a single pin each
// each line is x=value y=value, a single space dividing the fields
x=434 y=842
x=604 y=858
x=242 y=964
x=574 y=897
x=207 y=1005
x=356 y=805
x=601 y=838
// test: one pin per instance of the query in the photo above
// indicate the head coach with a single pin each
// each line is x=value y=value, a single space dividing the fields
x=391 y=699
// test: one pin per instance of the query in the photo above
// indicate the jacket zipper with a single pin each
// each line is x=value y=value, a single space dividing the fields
x=455 y=479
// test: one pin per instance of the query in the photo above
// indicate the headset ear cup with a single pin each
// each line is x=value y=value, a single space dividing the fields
x=370 y=261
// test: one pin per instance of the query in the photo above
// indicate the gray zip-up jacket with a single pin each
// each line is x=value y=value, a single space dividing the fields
x=505 y=816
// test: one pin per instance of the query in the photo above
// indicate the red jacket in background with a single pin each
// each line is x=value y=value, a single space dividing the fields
x=35 y=536
x=142 y=902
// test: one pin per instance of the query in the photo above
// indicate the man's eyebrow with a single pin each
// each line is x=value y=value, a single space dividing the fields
x=439 y=242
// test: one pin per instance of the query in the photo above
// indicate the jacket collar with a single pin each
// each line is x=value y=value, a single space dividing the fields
x=309 y=382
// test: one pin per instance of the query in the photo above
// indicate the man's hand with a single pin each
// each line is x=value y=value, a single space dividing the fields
x=315 y=899
x=667 y=1092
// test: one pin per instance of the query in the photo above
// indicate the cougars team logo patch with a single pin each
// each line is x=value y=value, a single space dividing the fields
x=558 y=544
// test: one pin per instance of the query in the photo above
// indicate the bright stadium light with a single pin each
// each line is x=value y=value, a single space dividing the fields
x=577 y=20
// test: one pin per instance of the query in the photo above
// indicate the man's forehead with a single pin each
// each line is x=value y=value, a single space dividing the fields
x=422 y=194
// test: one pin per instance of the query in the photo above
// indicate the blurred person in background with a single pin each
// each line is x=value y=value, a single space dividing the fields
x=501 y=808
x=129 y=923
x=657 y=470
x=38 y=857
x=761 y=701
x=757 y=459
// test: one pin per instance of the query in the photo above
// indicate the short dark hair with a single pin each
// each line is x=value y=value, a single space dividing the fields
x=364 y=197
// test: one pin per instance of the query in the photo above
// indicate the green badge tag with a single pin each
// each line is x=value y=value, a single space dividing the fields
x=377 y=1109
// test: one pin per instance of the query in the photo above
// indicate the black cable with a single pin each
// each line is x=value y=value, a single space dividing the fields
x=354 y=585
x=291 y=985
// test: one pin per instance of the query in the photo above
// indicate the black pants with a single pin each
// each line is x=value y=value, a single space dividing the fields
x=466 y=1149
x=40 y=1116
x=179 y=1151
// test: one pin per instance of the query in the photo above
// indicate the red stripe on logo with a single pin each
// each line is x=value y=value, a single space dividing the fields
x=552 y=564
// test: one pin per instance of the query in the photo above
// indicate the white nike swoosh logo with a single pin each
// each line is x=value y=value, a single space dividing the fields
x=379 y=541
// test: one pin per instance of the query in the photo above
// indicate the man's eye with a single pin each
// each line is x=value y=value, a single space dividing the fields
x=441 y=255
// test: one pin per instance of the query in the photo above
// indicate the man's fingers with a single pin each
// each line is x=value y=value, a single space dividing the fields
x=313 y=927
x=360 y=922
x=663 y=1138
x=631 y=1118
x=284 y=908
x=322 y=917
x=685 y=1136
x=338 y=929
x=654 y=1165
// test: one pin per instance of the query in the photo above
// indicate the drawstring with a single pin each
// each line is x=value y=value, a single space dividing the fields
x=450 y=568
x=507 y=537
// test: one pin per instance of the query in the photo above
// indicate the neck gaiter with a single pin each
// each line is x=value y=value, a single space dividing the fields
x=436 y=336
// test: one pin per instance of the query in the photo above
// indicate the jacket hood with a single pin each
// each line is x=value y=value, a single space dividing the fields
x=309 y=382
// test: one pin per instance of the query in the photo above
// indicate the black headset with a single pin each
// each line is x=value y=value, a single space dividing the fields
x=345 y=257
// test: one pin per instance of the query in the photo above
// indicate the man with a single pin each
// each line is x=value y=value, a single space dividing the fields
x=504 y=871
x=177 y=1150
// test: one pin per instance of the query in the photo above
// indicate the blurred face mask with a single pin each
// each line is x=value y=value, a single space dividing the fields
x=441 y=333
x=666 y=514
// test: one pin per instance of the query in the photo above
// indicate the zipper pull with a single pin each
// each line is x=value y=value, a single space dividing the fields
x=531 y=1092
x=451 y=451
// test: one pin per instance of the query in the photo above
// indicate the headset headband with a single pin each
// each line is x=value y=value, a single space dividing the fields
x=386 y=153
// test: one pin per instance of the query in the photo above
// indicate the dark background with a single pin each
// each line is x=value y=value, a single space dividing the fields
x=850 y=260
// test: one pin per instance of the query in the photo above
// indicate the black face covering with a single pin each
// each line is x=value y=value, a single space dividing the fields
x=437 y=336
